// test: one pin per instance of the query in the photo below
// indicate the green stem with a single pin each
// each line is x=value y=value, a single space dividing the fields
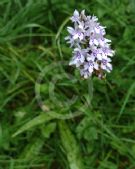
x=90 y=91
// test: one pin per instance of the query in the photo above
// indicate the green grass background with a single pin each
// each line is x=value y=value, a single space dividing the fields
x=31 y=38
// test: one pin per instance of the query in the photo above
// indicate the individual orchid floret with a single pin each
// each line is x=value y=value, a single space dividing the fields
x=75 y=17
x=91 y=50
x=76 y=33
x=78 y=57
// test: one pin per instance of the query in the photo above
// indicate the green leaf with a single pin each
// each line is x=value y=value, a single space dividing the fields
x=31 y=150
x=42 y=118
x=71 y=146
x=48 y=129
x=87 y=129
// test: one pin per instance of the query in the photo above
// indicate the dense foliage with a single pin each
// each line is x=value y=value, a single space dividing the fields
x=100 y=132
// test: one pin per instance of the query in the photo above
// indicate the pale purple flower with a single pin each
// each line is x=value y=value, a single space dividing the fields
x=92 y=53
x=78 y=57
x=75 y=17
x=76 y=33
x=85 y=73
x=106 y=65
x=90 y=66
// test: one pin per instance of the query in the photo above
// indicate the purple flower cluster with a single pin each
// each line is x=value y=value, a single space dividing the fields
x=91 y=50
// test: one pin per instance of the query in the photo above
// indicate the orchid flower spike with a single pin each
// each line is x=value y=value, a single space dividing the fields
x=91 y=50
